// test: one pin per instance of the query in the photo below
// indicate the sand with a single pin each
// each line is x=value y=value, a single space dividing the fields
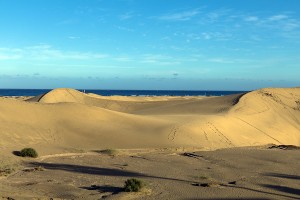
x=69 y=128
x=234 y=173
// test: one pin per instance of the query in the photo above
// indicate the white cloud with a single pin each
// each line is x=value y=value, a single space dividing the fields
x=291 y=25
x=180 y=16
x=123 y=59
x=277 y=17
x=216 y=36
x=229 y=60
x=122 y=28
x=73 y=37
x=220 y=60
x=38 y=47
x=45 y=52
x=217 y=14
x=68 y=22
x=10 y=54
x=158 y=59
x=9 y=57
x=206 y=36
x=251 y=19
x=166 y=38
x=194 y=36
x=255 y=38
x=126 y=16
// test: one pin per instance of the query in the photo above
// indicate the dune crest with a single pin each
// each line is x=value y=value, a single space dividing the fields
x=272 y=112
x=61 y=95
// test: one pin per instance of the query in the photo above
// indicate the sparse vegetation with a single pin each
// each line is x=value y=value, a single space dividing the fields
x=111 y=152
x=28 y=152
x=133 y=185
x=298 y=105
x=284 y=147
x=212 y=184
x=268 y=94
x=6 y=170
x=39 y=168
x=201 y=177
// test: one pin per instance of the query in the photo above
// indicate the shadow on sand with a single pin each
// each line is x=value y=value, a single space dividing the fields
x=98 y=171
x=290 y=192
x=287 y=176
x=16 y=153
x=232 y=199
x=283 y=189
x=105 y=189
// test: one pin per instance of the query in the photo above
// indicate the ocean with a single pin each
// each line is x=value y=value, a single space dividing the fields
x=35 y=92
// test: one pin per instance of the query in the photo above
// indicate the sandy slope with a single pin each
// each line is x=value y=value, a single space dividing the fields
x=69 y=118
x=68 y=128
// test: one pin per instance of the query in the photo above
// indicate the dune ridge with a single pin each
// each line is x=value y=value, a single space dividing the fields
x=67 y=117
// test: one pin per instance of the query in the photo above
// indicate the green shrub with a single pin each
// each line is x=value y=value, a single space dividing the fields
x=28 y=152
x=133 y=185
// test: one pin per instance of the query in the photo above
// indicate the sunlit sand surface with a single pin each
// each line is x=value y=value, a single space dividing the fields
x=150 y=136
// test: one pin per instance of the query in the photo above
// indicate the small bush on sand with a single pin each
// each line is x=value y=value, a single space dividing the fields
x=28 y=152
x=111 y=152
x=133 y=185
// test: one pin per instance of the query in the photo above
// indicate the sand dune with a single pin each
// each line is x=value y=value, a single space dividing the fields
x=143 y=105
x=120 y=104
x=69 y=118
x=69 y=128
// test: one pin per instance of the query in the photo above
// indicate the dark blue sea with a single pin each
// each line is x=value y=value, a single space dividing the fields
x=35 y=92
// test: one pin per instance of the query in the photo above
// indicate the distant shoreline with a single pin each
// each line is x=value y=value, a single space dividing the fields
x=35 y=92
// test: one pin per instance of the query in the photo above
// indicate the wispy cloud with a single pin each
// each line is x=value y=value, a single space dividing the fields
x=68 y=22
x=216 y=36
x=158 y=59
x=251 y=19
x=222 y=60
x=166 y=38
x=48 y=52
x=45 y=52
x=123 y=58
x=206 y=36
x=282 y=25
x=73 y=37
x=216 y=14
x=9 y=57
x=126 y=16
x=10 y=54
x=291 y=25
x=278 y=17
x=255 y=38
x=180 y=16
x=122 y=28
x=47 y=55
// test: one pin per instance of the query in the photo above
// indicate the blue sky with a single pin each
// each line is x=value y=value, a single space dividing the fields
x=150 y=44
